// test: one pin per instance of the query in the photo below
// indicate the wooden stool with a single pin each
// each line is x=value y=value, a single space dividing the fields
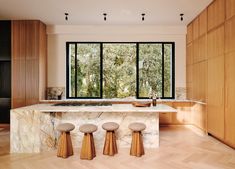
x=65 y=148
x=110 y=145
x=88 y=146
x=137 y=147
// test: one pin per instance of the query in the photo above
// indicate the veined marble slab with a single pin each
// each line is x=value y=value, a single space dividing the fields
x=33 y=128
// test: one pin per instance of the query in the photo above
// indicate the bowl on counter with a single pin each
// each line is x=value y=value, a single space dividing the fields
x=141 y=104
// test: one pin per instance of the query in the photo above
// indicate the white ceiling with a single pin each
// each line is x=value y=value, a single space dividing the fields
x=90 y=12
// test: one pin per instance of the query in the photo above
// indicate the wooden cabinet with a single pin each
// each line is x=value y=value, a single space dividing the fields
x=195 y=50
x=29 y=58
x=189 y=54
x=165 y=118
x=230 y=82
x=215 y=42
x=183 y=115
x=230 y=35
x=202 y=48
x=199 y=115
x=216 y=96
x=199 y=81
x=18 y=63
x=230 y=8
x=189 y=88
x=216 y=13
x=195 y=28
x=230 y=99
x=203 y=22
x=189 y=33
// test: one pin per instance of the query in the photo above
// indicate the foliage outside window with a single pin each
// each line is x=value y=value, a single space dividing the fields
x=120 y=70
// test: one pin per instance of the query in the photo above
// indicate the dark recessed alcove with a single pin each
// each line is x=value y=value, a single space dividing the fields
x=5 y=71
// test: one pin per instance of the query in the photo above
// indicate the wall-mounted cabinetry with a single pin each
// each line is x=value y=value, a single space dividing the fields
x=219 y=57
x=28 y=62
x=5 y=71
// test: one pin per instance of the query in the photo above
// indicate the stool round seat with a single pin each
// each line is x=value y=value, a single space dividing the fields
x=110 y=126
x=88 y=128
x=65 y=127
x=137 y=126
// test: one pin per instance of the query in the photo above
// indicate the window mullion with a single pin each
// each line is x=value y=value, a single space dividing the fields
x=137 y=70
x=163 y=70
x=76 y=69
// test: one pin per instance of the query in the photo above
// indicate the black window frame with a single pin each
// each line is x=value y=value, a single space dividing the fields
x=137 y=68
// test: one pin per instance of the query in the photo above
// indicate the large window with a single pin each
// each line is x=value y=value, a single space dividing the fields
x=120 y=70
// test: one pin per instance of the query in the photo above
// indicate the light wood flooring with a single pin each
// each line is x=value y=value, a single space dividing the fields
x=180 y=148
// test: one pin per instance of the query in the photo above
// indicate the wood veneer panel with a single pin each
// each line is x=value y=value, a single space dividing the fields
x=189 y=56
x=195 y=28
x=230 y=98
x=215 y=103
x=199 y=81
x=165 y=118
x=18 y=63
x=42 y=61
x=203 y=22
x=199 y=115
x=189 y=73
x=202 y=48
x=189 y=88
x=183 y=115
x=230 y=8
x=195 y=50
x=230 y=35
x=32 y=59
x=189 y=33
x=216 y=13
x=215 y=42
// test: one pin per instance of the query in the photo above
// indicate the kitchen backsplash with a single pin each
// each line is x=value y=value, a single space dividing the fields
x=180 y=93
x=55 y=93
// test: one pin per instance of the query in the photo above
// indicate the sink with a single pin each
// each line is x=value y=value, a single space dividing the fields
x=82 y=104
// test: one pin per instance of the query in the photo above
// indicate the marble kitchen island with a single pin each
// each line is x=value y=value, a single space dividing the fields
x=33 y=128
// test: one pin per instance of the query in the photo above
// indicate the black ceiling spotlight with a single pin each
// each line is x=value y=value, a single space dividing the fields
x=143 y=14
x=66 y=16
x=105 y=14
x=181 y=16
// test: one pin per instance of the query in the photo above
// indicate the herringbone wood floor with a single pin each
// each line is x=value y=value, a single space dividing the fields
x=180 y=148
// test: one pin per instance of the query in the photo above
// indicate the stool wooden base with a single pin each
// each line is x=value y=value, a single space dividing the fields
x=88 y=147
x=110 y=145
x=137 y=147
x=65 y=148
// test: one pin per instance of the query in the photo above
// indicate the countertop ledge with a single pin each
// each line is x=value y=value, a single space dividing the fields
x=113 y=108
x=120 y=100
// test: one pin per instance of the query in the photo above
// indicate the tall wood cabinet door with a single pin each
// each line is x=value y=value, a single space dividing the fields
x=216 y=13
x=203 y=22
x=230 y=8
x=230 y=99
x=18 y=63
x=32 y=62
x=189 y=37
x=216 y=96
x=42 y=61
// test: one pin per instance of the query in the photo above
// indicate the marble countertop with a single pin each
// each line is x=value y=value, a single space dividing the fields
x=115 y=100
x=121 y=100
x=113 y=108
